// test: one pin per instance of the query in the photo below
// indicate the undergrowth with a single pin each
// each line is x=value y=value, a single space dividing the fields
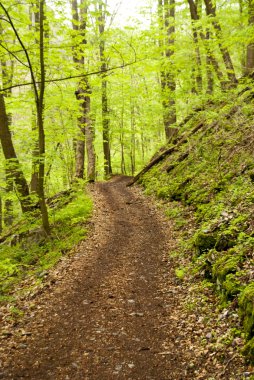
x=30 y=253
x=210 y=196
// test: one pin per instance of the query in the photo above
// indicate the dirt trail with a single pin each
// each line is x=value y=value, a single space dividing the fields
x=105 y=319
x=110 y=313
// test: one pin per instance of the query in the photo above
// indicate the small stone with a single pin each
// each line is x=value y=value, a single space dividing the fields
x=22 y=345
x=208 y=336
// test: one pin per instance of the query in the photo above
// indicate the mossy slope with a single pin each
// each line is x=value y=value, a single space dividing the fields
x=212 y=174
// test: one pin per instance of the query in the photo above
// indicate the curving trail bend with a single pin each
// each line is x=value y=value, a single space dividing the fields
x=109 y=313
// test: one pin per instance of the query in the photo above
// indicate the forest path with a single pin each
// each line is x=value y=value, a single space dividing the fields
x=110 y=313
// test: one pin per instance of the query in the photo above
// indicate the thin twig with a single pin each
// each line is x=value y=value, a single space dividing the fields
x=74 y=76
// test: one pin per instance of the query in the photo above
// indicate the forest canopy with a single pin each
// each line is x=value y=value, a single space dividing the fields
x=83 y=97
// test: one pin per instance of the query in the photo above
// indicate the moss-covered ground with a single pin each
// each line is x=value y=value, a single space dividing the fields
x=29 y=253
x=209 y=179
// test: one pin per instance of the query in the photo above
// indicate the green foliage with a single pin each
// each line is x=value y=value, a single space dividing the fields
x=232 y=286
x=203 y=242
x=246 y=303
x=248 y=351
x=33 y=254
x=180 y=273
x=226 y=264
x=214 y=189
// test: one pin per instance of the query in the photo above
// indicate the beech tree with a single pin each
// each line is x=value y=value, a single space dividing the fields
x=83 y=94
x=166 y=9
x=104 y=89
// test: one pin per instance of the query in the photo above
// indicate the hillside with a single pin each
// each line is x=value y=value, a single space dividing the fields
x=205 y=182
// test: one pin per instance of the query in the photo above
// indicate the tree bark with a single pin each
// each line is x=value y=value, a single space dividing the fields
x=133 y=140
x=197 y=70
x=7 y=76
x=166 y=10
x=104 y=95
x=13 y=165
x=250 y=47
x=40 y=124
x=83 y=94
x=34 y=24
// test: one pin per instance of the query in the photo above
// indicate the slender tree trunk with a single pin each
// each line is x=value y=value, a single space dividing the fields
x=211 y=11
x=89 y=132
x=250 y=47
x=104 y=94
x=7 y=76
x=121 y=137
x=78 y=60
x=83 y=94
x=40 y=124
x=166 y=11
x=197 y=69
x=34 y=25
x=209 y=74
x=133 y=140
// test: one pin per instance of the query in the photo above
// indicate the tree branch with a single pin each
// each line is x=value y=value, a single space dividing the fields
x=11 y=53
x=25 y=51
x=74 y=76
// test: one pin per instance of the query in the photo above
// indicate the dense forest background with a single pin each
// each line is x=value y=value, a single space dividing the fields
x=83 y=97
x=167 y=99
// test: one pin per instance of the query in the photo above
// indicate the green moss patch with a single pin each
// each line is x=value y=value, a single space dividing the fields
x=203 y=242
x=246 y=304
x=226 y=264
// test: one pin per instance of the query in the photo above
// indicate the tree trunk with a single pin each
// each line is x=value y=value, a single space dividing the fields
x=197 y=70
x=12 y=162
x=168 y=85
x=104 y=95
x=133 y=140
x=209 y=74
x=83 y=94
x=7 y=76
x=250 y=47
x=121 y=137
x=80 y=158
x=211 y=11
x=34 y=24
x=89 y=132
x=40 y=124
